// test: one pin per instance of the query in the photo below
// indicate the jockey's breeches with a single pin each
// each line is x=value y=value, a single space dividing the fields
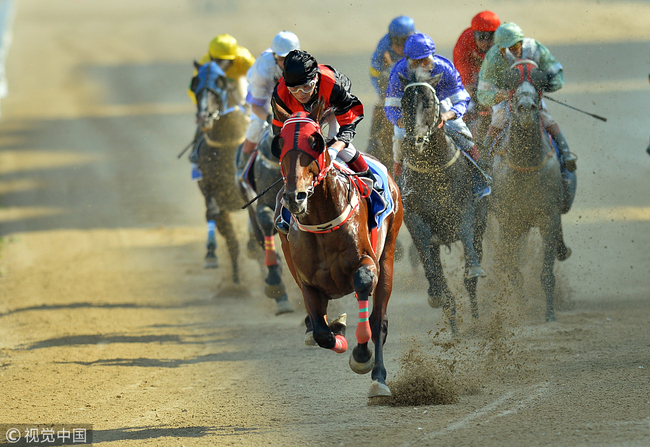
x=255 y=129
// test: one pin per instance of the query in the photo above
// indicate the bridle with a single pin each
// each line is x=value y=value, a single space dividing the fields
x=420 y=141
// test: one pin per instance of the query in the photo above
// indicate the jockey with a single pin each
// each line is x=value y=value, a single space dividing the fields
x=262 y=78
x=303 y=83
x=419 y=50
x=234 y=60
x=390 y=49
x=470 y=50
x=511 y=46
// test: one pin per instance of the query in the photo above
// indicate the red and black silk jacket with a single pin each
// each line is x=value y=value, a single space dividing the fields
x=334 y=87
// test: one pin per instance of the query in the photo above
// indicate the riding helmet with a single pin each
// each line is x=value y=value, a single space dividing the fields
x=401 y=26
x=419 y=46
x=300 y=67
x=485 y=21
x=283 y=42
x=224 y=46
x=507 y=35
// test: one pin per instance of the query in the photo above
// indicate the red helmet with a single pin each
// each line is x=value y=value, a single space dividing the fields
x=485 y=21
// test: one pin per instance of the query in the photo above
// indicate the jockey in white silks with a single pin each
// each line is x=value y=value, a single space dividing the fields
x=262 y=77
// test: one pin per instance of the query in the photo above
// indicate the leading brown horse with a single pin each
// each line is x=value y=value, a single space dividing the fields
x=330 y=249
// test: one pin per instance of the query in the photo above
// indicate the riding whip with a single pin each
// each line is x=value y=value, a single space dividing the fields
x=574 y=108
x=186 y=148
x=261 y=194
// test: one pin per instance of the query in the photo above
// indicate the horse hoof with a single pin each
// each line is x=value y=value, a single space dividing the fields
x=378 y=390
x=340 y=320
x=275 y=291
x=475 y=272
x=563 y=255
x=283 y=307
x=363 y=368
x=436 y=301
x=309 y=339
x=210 y=261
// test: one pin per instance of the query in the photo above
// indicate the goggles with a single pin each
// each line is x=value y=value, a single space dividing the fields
x=484 y=35
x=305 y=88
x=398 y=41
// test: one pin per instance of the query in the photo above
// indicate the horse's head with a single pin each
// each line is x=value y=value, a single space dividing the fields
x=420 y=108
x=304 y=160
x=525 y=82
x=210 y=86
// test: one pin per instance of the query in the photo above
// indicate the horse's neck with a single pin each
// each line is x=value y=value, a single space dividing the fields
x=329 y=200
x=526 y=146
x=441 y=147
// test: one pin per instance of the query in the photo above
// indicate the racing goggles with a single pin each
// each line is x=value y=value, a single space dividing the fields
x=484 y=35
x=305 y=88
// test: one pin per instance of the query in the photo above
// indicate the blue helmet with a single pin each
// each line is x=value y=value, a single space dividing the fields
x=401 y=26
x=419 y=46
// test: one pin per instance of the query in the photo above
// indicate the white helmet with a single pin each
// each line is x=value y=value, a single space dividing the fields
x=284 y=42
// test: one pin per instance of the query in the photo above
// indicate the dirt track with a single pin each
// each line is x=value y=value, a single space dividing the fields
x=108 y=318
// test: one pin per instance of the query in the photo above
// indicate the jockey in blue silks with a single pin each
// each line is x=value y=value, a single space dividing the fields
x=390 y=49
x=419 y=50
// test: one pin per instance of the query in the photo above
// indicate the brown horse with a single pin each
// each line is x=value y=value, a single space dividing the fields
x=330 y=249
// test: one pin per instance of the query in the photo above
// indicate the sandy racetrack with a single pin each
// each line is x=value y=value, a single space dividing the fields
x=108 y=318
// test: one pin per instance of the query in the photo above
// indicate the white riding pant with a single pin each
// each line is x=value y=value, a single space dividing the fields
x=501 y=115
x=345 y=154
x=255 y=129
x=456 y=129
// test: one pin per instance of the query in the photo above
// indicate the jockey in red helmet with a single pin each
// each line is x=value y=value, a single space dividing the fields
x=471 y=47
x=303 y=83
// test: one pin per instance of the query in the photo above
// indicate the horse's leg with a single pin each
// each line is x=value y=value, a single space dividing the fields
x=365 y=280
x=466 y=234
x=224 y=225
x=480 y=225
x=547 y=277
x=316 y=304
x=510 y=243
x=421 y=235
x=211 y=213
x=274 y=286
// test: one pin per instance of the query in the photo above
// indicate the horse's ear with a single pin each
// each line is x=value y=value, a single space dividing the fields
x=539 y=78
x=197 y=65
x=317 y=112
x=319 y=142
x=435 y=80
x=512 y=78
x=276 y=146
x=280 y=113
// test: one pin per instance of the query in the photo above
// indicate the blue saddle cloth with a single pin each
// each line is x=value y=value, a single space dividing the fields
x=381 y=202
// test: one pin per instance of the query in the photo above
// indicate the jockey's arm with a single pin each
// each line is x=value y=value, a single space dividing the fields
x=259 y=111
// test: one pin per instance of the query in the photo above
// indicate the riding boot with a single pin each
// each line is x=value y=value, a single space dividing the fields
x=194 y=155
x=248 y=147
x=567 y=159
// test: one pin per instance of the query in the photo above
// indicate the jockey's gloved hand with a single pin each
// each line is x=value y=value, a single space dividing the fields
x=333 y=153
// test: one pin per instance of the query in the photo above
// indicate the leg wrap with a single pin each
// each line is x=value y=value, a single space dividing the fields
x=340 y=344
x=363 y=328
x=270 y=256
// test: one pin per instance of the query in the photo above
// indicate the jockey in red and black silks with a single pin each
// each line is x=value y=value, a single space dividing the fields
x=303 y=84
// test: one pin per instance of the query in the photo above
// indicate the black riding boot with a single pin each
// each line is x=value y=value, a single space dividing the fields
x=567 y=159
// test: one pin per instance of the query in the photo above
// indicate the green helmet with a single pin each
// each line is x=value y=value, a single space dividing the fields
x=507 y=35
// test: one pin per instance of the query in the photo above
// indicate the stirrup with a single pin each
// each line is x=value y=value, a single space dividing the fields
x=281 y=225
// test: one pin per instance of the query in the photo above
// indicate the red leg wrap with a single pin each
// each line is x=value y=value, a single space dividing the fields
x=270 y=255
x=341 y=344
x=363 y=328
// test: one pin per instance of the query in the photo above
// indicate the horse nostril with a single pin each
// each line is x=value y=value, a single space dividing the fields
x=301 y=196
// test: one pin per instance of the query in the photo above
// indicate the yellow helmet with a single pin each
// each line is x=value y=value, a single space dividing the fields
x=224 y=46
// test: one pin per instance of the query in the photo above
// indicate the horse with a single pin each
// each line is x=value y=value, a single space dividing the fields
x=222 y=118
x=330 y=248
x=437 y=191
x=527 y=188
x=262 y=173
